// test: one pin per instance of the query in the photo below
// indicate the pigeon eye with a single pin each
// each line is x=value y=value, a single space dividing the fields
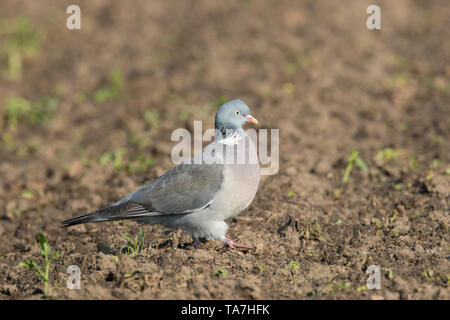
x=237 y=112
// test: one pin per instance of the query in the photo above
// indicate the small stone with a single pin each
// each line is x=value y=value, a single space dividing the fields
x=101 y=247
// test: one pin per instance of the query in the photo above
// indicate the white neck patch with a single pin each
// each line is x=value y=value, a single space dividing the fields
x=233 y=139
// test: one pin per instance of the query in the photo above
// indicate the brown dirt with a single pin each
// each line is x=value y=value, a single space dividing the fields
x=310 y=68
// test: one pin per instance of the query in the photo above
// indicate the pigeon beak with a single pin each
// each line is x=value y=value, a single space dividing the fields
x=252 y=120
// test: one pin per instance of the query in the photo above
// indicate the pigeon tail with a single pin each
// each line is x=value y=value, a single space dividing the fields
x=85 y=218
x=121 y=210
x=108 y=213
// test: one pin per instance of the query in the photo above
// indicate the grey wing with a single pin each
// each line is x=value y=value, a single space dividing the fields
x=184 y=189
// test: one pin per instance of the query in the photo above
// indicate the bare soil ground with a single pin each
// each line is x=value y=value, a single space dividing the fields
x=113 y=92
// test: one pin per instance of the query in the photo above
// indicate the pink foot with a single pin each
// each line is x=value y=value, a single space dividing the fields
x=233 y=244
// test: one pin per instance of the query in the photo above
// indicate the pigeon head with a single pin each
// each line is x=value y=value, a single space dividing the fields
x=233 y=115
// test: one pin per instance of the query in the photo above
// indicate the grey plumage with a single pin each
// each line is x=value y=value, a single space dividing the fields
x=196 y=197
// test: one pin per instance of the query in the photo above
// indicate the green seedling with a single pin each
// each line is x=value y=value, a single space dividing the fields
x=394 y=216
x=44 y=109
x=395 y=234
x=27 y=194
x=387 y=154
x=414 y=216
x=151 y=117
x=377 y=223
x=262 y=268
x=16 y=212
x=353 y=160
x=21 y=40
x=362 y=288
x=294 y=266
x=116 y=157
x=140 y=164
x=113 y=90
x=398 y=186
x=222 y=272
x=337 y=287
x=133 y=246
x=436 y=163
x=413 y=162
x=400 y=78
x=7 y=141
x=152 y=121
x=288 y=87
x=428 y=274
x=46 y=252
x=311 y=231
x=389 y=274
x=16 y=109
x=34 y=113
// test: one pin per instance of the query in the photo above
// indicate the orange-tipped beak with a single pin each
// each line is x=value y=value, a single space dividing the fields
x=252 y=120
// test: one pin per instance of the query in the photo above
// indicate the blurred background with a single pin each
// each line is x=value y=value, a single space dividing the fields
x=86 y=117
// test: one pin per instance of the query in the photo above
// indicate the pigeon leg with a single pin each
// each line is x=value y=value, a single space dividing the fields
x=197 y=244
x=234 y=244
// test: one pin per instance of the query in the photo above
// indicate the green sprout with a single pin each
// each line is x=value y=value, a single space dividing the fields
x=398 y=186
x=428 y=274
x=35 y=113
x=27 y=194
x=352 y=160
x=436 y=163
x=116 y=157
x=394 y=216
x=387 y=154
x=113 y=90
x=43 y=110
x=133 y=246
x=377 y=223
x=151 y=117
x=152 y=121
x=222 y=272
x=294 y=266
x=46 y=252
x=311 y=231
x=140 y=164
x=362 y=288
x=413 y=162
x=389 y=274
x=16 y=108
x=22 y=40
x=262 y=267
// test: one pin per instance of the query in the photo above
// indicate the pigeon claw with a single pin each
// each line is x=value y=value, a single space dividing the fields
x=233 y=244
x=197 y=244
